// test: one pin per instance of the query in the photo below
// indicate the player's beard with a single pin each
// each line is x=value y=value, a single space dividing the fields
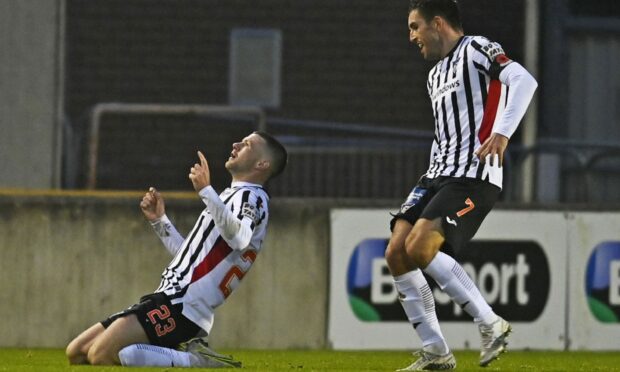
x=238 y=167
x=432 y=49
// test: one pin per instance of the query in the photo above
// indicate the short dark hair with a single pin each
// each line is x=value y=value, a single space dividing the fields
x=278 y=153
x=446 y=9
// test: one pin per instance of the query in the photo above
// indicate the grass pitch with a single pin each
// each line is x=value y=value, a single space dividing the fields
x=52 y=360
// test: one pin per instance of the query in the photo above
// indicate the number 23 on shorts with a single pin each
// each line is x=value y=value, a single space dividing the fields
x=162 y=321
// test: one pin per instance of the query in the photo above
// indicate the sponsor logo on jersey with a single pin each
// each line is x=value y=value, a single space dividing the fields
x=513 y=276
x=603 y=282
x=250 y=211
x=492 y=50
x=446 y=88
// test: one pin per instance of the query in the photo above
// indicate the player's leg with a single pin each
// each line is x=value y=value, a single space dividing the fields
x=450 y=220
x=149 y=333
x=401 y=225
x=452 y=279
x=417 y=300
x=414 y=293
x=122 y=332
x=102 y=342
x=77 y=350
x=395 y=253
x=195 y=354
x=423 y=247
x=125 y=342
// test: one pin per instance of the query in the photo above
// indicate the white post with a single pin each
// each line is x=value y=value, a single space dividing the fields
x=59 y=91
x=530 y=121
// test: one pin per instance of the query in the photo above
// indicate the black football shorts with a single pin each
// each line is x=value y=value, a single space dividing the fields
x=460 y=203
x=164 y=323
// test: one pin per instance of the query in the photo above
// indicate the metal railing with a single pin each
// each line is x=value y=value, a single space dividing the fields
x=337 y=160
x=579 y=169
x=340 y=160
x=161 y=109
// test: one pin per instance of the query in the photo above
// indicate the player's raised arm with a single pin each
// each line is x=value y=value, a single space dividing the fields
x=152 y=205
x=237 y=233
x=154 y=210
x=199 y=174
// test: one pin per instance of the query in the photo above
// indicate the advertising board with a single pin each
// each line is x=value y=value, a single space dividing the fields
x=518 y=259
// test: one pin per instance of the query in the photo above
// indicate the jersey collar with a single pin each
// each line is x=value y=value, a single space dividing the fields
x=244 y=184
x=455 y=47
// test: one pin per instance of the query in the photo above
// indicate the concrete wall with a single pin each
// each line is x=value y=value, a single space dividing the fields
x=69 y=260
x=29 y=89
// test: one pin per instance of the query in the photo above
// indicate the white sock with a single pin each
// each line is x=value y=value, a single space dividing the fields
x=140 y=355
x=417 y=300
x=452 y=279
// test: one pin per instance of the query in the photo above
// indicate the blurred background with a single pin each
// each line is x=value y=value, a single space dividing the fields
x=100 y=99
x=120 y=94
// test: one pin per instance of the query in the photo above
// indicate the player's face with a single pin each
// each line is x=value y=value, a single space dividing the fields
x=246 y=154
x=425 y=36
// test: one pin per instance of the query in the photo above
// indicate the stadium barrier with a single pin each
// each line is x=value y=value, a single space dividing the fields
x=554 y=274
x=69 y=259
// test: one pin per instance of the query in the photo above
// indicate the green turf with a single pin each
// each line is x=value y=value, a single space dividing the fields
x=48 y=360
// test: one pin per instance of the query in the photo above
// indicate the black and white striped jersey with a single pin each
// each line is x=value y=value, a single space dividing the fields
x=217 y=253
x=474 y=90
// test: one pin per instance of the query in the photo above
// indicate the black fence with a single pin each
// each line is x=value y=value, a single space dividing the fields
x=335 y=160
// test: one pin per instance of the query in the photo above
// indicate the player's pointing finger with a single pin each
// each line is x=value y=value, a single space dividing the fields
x=203 y=160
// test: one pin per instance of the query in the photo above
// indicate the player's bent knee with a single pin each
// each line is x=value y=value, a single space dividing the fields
x=96 y=359
x=100 y=356
x=420 y=249
x=424 y=241
x=77 y=360
x=419 y=256
x=393 y=253
x=70 y=351
x=74 y=354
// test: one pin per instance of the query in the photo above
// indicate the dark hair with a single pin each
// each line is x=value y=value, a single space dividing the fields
x=278 y=152
x=446 y=9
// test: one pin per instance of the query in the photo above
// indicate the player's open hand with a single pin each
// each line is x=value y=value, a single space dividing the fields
x=152 y=205
x=495 y=146
x=199 y=173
